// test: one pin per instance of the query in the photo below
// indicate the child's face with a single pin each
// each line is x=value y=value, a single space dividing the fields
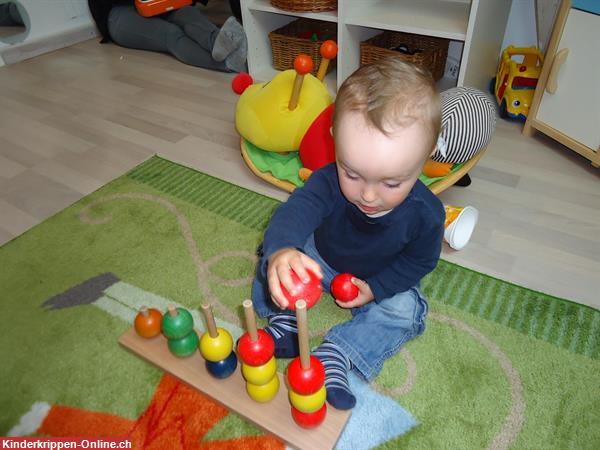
x=377 y=172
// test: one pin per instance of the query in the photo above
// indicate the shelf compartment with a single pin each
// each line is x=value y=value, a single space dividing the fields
x=430 y=52
x=445 y=19
x=265 y=6
x=288 y=42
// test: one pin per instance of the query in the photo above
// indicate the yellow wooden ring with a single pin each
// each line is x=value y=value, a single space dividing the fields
x=264 y=393
x=308 y=403
x=218 y=348
x=260 y=375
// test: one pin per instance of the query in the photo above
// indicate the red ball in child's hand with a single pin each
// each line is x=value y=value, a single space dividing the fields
x=241 y=81
x=309 y=292
x=256 y=353
x=309 y=420
x=306 y=381
x=342 y=287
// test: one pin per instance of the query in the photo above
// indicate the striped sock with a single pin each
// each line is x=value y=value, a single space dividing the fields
x=336 y=366
x=282 y=327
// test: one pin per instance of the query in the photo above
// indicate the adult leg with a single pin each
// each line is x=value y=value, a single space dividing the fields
x=195 y=24
x=128 y=29
x=9 y=15
x=220 y=42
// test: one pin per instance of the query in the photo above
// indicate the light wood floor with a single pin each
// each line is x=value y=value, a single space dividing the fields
x=74 y=119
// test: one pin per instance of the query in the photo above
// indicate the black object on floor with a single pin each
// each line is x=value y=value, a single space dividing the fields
x=464 y=181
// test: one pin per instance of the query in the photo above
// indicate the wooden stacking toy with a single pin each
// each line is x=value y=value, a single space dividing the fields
x=148 y=322
x=306 y=379
x=232 y=392
x=259 y=368
x=303 y=64
x=216 y=347
x=178 y=328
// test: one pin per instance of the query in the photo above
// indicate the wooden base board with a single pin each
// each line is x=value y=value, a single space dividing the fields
x=274 y=417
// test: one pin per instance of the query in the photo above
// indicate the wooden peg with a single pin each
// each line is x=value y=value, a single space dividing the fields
x=328 y=51
x=302 y=323
x=250 y=320
x=303 y=65
x=211 y=326
x=172 y=310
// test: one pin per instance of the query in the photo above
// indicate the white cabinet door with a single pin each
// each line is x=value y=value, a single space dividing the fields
x=574 y=109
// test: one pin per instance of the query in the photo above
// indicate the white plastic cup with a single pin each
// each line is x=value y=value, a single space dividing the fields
x=460 y=223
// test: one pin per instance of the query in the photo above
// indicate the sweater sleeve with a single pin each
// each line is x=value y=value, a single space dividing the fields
x=295 y=220
x=418 y=258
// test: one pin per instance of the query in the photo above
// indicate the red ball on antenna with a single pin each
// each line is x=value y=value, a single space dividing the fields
x=328 y=49
x=303 y=64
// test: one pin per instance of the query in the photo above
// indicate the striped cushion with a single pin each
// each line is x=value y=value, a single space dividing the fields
x=468 y=121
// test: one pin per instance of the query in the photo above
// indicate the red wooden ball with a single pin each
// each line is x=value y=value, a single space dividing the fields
x=256 y=353
x=306 y=382
x=342 y=287
x=309 y=420
x=309 y=292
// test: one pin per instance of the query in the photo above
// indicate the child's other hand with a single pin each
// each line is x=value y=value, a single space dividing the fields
x=278 y=271
x=365 y=295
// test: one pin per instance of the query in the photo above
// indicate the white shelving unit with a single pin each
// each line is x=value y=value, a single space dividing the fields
x=475 y=26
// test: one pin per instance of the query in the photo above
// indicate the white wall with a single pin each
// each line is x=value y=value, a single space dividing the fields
x=521 y=27
x=52 y=24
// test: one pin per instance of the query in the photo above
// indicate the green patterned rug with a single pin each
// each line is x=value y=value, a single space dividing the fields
x=499 y=366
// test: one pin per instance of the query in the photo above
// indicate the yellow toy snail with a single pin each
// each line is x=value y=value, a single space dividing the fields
x=269 y=117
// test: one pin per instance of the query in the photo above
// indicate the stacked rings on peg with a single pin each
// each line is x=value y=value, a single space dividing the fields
x=259 y=368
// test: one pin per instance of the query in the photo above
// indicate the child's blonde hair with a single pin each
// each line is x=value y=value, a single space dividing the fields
x=391 y=94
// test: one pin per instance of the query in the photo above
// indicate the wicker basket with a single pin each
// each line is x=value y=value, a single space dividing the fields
x=305 y=5
x=286 y=43
x=432 y=56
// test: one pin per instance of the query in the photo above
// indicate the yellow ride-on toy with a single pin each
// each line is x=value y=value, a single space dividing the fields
x=515 y=81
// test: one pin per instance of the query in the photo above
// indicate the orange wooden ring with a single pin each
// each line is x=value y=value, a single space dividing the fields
x=148 y=322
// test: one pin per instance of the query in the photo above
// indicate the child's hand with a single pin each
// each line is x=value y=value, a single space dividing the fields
x=365 y=295
x=278 y=271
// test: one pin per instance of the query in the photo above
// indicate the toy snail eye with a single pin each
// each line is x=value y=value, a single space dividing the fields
x=516 y=103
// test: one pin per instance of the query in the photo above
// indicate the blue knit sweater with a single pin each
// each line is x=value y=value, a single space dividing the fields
x=392 y=253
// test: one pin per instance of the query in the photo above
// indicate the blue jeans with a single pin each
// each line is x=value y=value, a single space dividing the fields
x=376 y=330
